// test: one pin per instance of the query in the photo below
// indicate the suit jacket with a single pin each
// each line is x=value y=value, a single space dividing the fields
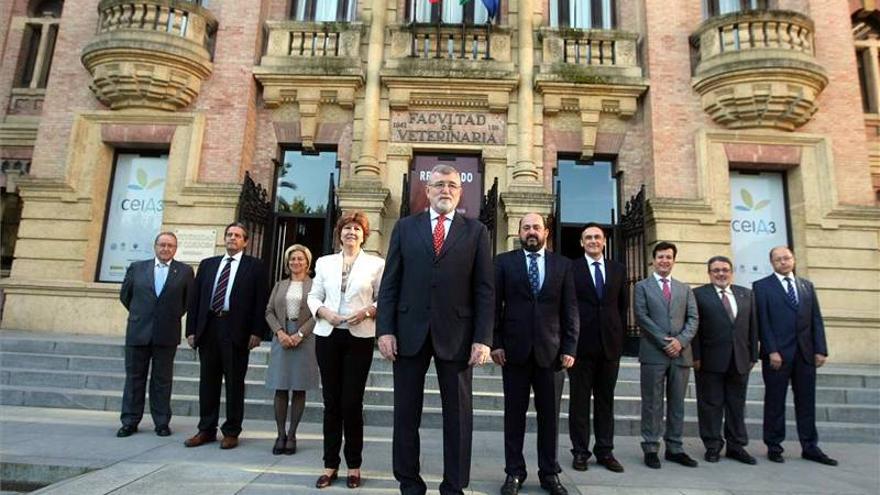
x=247 y=301
x=451 y=294
x=361 y=290
x=718 y=338
x=603 y=321
x=658 y=320
x=784 y=328
x=276 y=309
x=155 y=319
x=547 y=324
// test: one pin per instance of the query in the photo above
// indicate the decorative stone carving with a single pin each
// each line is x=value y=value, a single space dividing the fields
x=149 y=53
x=757 y=69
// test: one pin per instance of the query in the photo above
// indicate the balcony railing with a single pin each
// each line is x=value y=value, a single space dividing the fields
x=756 y=30
x=175 y=17
x=454 y=42
x=584 y=53
x=313 y=39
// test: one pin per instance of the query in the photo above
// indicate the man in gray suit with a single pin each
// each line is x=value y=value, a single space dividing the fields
x=155 y=294
x=666 y=312
x=725 y=350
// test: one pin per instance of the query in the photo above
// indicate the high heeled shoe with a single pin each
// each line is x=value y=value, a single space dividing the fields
x=290 y=446
x=278 y=448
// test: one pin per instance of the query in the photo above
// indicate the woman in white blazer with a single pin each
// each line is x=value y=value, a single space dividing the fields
x=343 y=300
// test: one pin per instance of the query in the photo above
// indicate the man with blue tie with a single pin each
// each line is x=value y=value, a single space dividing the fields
x=793 y=345
x=155 y=294
x=536 y=333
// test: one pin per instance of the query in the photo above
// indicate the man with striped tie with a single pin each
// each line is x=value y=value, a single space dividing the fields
x=225 y=322
x=792 y=347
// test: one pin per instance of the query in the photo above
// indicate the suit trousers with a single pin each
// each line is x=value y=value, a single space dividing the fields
x=722 y=396
x=655 y=380
x=803 y=384
x=519 y=379
x=455 y=380
x=596 y=378
x=220 y=359
x=158 y=361
x=345 y=362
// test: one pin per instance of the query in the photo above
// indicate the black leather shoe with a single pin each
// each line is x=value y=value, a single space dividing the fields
x=553 y=486
x=579 y=462
x=681 y=458
x=741 y=456
x=511 y=485
x=126 y=431
x=712 y=455
x=278 y=447
x=163 y=431
x=610 y=464
x=776 y=457
x=820 y=457
x=652 y=461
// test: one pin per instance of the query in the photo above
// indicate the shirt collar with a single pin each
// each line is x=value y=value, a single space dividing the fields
x=157 y=262
x=660 y=279
x=782 y=277
x=236 y=257
x=725 y=289
x=540 y=253
x=590 y=260
x=434 y=214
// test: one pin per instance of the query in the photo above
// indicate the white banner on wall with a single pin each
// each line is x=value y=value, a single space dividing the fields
x=758 y=223
x=134 y=214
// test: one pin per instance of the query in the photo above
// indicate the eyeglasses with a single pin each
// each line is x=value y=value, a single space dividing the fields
x=439 y=186
x=720 y=270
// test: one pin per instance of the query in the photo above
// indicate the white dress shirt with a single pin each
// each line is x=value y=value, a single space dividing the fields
x=730 y=297
x=447 y=223
x=781 y=278
x=540 y=262
x=232 y=271
x=592 y=270
x=659 y=280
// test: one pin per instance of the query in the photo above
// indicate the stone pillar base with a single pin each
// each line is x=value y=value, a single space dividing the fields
x=518 y=201
x=370 y=196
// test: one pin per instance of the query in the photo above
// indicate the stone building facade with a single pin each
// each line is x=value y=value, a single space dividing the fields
x=724 y=112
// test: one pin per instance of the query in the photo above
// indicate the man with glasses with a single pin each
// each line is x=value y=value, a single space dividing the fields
x=437 y=301
x=725 y=350
x=155 y=293
x=792 y=347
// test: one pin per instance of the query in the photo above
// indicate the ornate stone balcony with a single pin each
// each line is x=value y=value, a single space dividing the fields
x=757 y=69
x=594 y=73
x=460 y=51
x=311 y=64
x=149 y=53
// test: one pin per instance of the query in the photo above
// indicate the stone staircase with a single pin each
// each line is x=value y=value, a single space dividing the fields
x=87 y=372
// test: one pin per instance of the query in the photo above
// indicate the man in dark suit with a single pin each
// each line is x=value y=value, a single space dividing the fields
x=792 y=347
x=225 y=322
x=436 y=300
x=155 y=293
x=725 y=349
x=600 y=285
x=666 y=312
x=536 y=333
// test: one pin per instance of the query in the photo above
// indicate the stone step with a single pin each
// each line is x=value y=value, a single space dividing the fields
x=381 y=415
x=483 y=400
x=186 y=365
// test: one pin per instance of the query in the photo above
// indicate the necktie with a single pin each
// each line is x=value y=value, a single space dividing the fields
x=792 y=296
x=533 y=273
x=220 y=291
x=439 y=230
x=726 y=303
x=600 y=280
x=161 y=273
x=667 y=293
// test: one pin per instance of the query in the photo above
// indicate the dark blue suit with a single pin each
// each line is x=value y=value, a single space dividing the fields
x=533 y=331
x=798 y=334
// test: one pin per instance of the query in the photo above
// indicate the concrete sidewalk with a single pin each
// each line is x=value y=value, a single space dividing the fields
x=39 y=442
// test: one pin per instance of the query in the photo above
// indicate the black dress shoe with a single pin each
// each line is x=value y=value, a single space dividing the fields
x=290 y=446
x=820 y=457
x=511 y=485
x=579 y=462
x=776 y=457
x=552 y=485
x=741 y=456
x=126 y=431
x=652 y=461
x=712 y=455
x=681 y=458
x=278 y=447
x=163 y=431
x=610 y=463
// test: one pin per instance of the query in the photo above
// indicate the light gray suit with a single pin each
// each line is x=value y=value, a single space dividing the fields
x=657 y=320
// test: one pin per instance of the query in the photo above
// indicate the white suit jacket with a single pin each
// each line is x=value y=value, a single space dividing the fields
x=362 y=290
